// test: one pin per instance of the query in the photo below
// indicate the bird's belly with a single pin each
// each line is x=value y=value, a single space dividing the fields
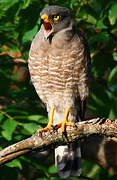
x=52 y=77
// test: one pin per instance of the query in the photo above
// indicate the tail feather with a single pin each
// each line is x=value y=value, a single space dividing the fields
x=62 y=156
x=77 y=166
x=68 y=161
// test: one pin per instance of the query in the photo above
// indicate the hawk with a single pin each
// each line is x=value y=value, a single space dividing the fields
x=59 y=62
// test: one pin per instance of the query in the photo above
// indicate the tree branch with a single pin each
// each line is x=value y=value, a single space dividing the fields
x=99 y=128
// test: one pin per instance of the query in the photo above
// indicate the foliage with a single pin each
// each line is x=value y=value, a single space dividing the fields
x=21 y=112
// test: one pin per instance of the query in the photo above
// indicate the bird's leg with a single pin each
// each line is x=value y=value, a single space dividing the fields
x=50 y=123
x=65 y=121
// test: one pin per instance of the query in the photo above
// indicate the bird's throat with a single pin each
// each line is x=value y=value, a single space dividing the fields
x=48 y=30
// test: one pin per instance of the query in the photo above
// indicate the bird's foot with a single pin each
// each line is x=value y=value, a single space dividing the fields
x=65 y=122
x=50 y=123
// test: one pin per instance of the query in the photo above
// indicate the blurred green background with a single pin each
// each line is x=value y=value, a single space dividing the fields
x=21 y=111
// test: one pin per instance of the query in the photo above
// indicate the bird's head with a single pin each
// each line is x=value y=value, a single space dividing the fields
x=54 y=19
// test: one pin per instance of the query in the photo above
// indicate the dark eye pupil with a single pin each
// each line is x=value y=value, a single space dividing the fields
x=55 y=16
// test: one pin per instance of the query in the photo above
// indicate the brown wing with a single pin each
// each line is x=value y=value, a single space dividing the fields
x=84 y=76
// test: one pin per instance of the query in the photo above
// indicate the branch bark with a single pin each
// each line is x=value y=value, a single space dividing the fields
x=99 y=142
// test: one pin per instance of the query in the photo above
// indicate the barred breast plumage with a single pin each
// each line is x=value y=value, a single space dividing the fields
x=54 y=72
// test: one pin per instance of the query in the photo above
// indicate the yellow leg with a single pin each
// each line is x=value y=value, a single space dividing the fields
x=65 y=121
x=50 y=123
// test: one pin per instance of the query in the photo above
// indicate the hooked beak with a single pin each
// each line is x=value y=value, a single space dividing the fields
x=48 y=25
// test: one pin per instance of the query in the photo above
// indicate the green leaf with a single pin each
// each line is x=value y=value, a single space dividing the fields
x=6 y=4
x=91 y=19
x=30 y=127
x=52 y=169
x=95 y=170
x=28 y=36
x=113 y=14
x=99 y=102
x=100 y=37
x=18 y=137
x=26 y=3
x=1 y=117
x=88 y=14
x=100 y=24
x=115 y=56
x=8 y=127
x=112 y=79
x=3 y=73
x=16 y=111
x=112 y=114
x=15 y=163
x=113 y=110
x=38 y=118
x=6 y=27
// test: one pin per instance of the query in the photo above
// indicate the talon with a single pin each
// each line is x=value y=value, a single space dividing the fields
x=55 y=128
x=58 y=126
x=40 y=134
x=75 y=127
x=64 y=135
x=50 y=123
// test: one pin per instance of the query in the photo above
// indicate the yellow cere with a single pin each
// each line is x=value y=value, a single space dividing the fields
x=56 y=18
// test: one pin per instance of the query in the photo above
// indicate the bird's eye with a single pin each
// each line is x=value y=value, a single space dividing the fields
x=56 y=17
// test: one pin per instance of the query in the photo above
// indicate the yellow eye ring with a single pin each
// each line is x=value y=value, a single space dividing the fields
x=56 y=18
